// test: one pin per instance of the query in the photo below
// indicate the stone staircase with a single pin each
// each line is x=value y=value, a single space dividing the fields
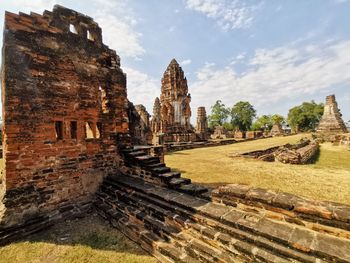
x=139 y=163
x=178 y=227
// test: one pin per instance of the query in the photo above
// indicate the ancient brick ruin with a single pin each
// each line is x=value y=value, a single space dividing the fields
x=237 y=223
x=202 y=124
x=303 y=152
x=254 y=134
x=69 y=146
x=139 y=126
x=276 y=130
x=220 y=133
x=64 y=104
x=172 y=113
x=331 y=121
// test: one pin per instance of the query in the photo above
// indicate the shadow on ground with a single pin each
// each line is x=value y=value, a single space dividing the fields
x=88 y=239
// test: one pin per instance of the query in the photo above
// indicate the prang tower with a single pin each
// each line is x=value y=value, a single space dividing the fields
x=172 y=112
x=331 y=121
x=175 y=100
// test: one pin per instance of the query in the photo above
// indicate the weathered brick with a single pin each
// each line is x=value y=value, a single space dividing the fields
x=53 y=82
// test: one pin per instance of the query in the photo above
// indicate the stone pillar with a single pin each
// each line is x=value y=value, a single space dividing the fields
x=156 y=118
x=202 y=123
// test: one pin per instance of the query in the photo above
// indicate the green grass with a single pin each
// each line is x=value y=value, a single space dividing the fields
x=84 y=240
x=327 y=179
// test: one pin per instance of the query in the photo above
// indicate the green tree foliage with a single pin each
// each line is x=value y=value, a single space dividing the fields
x=277 y=119
x=228 y=126
x=242 y=115
x=264 y=122
x=305 y=117
x=219 y=114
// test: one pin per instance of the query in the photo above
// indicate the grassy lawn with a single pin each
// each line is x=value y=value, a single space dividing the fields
x=327 y=179
x=84 y=240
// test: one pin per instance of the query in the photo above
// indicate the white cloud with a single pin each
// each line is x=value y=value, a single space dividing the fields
x=142 y=89
x=37 y=6
x=186 y=62
x=119 y=35
x=209 y=64
x=228 y=14
x=241 y=56
x=118 y=27
x=276 y=75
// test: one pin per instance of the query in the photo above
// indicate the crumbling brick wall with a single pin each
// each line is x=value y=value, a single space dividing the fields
x=64 y=102
x=139 y=127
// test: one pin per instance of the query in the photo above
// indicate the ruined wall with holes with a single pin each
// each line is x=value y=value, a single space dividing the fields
x=64 y=104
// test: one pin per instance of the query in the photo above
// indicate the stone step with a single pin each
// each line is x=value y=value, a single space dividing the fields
x=147 y=159
x=296 y=238
x=142 y=236
x=206 y=252
x=166 y=231
x=227 y=237
x=128 y=150
x=192 y=189
x=136 y=153
x=170 y=175
x=193 y=244
x=162 y=214
x=161 y=170
x=152 y=166
x=178 y=182
x=175 y=253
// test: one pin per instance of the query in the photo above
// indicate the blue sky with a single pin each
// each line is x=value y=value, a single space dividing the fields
x=275 y=54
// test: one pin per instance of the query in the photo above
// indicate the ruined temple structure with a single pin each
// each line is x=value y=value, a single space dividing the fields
x=69 y=148
x=276 y=130
x=202 y=124
x=139 y=126
x=219 y=133
x=331 y=121
x=172 y=112
x=64 y=103
x=156 y=121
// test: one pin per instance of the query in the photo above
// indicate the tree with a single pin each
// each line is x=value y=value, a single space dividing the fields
x=305 y=117
x=242 y=115
x=228 y=126
x=219 y=114
x=277 y=119
x=264 y=122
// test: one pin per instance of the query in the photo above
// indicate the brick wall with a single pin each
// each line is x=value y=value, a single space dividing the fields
x=64 y=100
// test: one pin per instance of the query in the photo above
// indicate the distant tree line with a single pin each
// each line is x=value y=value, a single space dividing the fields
x=242 y=116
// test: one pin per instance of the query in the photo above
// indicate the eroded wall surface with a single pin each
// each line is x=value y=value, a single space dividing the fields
x=64 y=104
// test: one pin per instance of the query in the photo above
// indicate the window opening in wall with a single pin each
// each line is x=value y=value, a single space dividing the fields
x=98 y=130
x=59 y=130
x=73 y=129
x=103 y=100
x=89 y=36
x=109 y=61
x=73 y=29
x=89 y=131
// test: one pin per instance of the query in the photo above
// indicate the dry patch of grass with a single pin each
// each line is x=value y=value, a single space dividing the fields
x=83 y=240
x=327 y=179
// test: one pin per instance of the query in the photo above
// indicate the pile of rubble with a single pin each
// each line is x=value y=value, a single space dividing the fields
x=301 y=153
